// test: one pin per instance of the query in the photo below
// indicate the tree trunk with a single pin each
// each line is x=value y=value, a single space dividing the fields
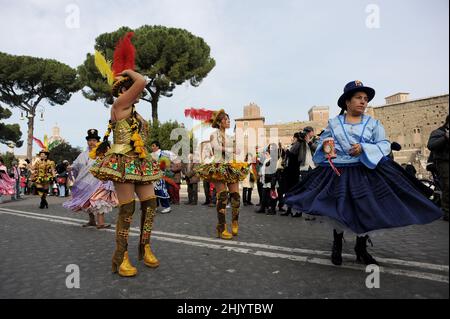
x=155 y=110
x=154 y=102
x=30 y=137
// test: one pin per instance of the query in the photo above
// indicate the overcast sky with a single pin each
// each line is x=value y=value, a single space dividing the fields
x=285 y=55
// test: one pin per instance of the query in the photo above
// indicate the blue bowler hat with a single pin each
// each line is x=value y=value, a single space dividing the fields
x=352 y=87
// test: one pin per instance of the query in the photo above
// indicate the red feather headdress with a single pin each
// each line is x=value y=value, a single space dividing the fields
x=206 y=116
x=124 y=59
x=124 y=54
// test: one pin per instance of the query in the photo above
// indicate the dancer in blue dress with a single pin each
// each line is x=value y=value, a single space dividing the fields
x=355 y=184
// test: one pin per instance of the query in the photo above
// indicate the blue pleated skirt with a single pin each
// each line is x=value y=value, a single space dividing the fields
x=365 y=200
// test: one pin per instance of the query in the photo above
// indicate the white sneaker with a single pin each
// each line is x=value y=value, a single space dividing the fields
x=166 y=210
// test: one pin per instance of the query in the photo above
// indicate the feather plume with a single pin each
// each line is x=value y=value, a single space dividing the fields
x=199 y=114
x=104 y=67
x=124 y=54
x=46 y=141
x=39 y=142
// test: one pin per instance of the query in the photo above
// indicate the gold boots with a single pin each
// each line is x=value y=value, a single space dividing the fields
x=148 y=208
x=222 y=232
x=235 y=205
x=120 y=261
x=126 y=269
x=149 y=259
x=234 y=228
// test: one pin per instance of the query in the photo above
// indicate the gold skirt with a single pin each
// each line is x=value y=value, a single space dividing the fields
x=229 y=173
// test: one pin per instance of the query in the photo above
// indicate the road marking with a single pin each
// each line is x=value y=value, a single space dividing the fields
x=229 y=246
x=311 y=252
x=393 y=261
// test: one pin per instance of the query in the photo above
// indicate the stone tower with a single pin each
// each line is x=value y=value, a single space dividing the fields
x=250 y=130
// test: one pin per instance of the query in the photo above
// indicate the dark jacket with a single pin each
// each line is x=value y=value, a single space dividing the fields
x=302 y=151
x=61 y=168
x=411 y=170
x=438 y=144
x=292 y=155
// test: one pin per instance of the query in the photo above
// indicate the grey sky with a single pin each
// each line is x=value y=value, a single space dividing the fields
x=285 y=55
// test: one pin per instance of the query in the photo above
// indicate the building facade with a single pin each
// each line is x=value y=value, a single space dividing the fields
x=410 y=123
x=252 y=131
x=56 y=135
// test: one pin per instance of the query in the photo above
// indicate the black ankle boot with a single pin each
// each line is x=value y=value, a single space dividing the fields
x=289 y=211
x=361 y=251
x=42 y=204
x=336 y=254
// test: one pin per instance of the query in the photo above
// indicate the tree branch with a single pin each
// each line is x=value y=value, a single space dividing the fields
x=38 y=101
x=8 y=93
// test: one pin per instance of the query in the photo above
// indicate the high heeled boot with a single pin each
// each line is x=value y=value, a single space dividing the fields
x=148 y=212
x=120 y=261
x=235 y=205
x=222 y=232
x=336 y=254
x=361 y=251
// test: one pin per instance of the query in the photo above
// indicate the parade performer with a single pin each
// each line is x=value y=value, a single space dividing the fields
x=355 y=184
x=89 y=194
x=164 y=158
x=7 y=184
x=223 y=170
x=43 y=172
x=127 y=161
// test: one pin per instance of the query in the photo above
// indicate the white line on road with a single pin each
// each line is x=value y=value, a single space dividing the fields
x=310 y=252
x=221 y=245
x=392 y=261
